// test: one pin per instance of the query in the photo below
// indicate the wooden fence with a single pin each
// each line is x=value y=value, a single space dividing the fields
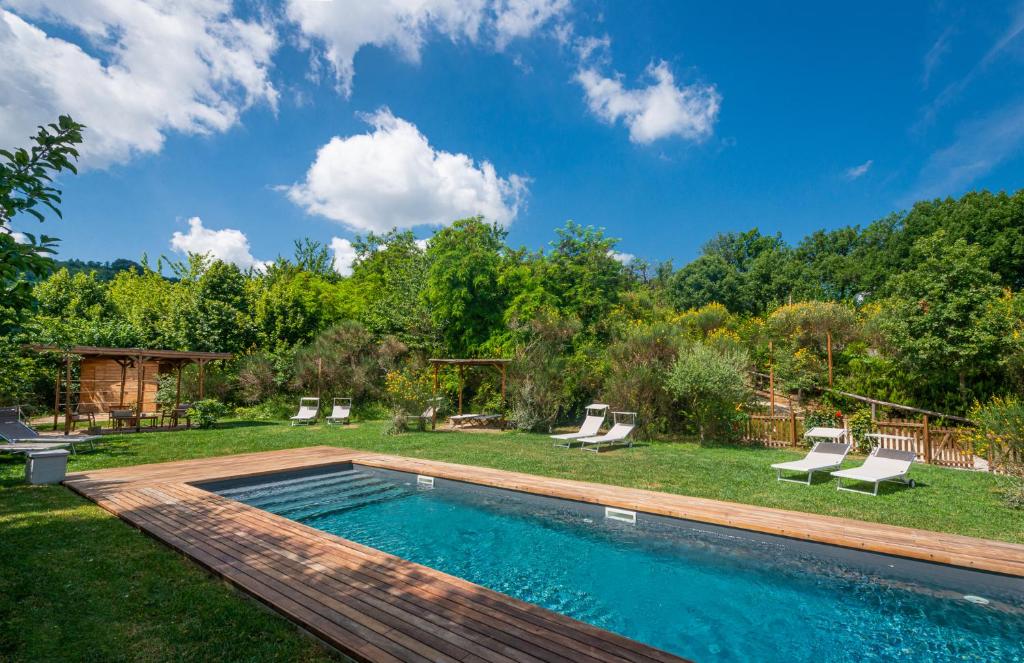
x=945 y=446
x=782 y=430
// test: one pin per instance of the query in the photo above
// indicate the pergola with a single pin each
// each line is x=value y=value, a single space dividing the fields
x=499 y=364
x=125 y=358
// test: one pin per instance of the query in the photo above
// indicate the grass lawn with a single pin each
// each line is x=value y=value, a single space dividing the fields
x=76 y=583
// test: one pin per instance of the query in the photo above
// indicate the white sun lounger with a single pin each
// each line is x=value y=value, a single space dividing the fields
x=623 y=424
x=19 y=438
x=824 y=456
x=308 y=409
x=591 y=426
x=881 y=465
x=341 y=410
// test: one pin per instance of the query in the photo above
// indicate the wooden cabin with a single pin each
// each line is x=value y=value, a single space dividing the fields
x=119 y=377
x=107 y=383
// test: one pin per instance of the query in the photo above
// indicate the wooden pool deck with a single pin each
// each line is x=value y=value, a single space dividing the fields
x=378 y=607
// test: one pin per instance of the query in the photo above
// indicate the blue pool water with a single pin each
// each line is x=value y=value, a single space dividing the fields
x=702 y=592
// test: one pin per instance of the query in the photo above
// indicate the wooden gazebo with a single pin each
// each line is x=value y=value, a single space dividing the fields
x=119 y=377
x=461 y=364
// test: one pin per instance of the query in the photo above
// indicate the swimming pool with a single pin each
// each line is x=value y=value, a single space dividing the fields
x=700 y=591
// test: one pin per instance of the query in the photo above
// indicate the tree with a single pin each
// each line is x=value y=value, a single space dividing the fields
x=25 y=187
x=942 y=320
x=210 y=310
x=389 y=274
x=582 y=274
x=463 y=290
x=711 y=384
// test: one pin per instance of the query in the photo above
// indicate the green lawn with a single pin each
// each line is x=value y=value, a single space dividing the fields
x=75 y=583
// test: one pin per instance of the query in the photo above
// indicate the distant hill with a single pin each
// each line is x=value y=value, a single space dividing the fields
x=105 y=271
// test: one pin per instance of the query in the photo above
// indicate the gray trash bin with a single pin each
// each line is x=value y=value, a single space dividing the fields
x=46 y=466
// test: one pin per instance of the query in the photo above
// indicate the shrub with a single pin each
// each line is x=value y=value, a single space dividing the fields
x=273 y=409
x=638 y=361
x=256 y=381
x=859 y=424
x=711 y=385
x=205 y=413
x=824 y=417
x=1000 y=435
x=541 y=385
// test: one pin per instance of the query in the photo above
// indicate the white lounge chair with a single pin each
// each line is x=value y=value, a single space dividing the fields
x=623 y=424
x=591 y=426
x=341 y=410
x=464 y=419
x=882 y=465
x=308 y=409
x=20 y=438
x=824 y=456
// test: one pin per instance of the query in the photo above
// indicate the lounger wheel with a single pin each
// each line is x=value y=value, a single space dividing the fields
x=912 y=483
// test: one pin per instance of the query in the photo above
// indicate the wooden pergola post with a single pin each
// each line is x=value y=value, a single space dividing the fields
x=771 y=377
x=124 y=376
x=460 y=388
x=177 y=391
x=433 y=410
x=56 y=398
x=202 y=379
x=502 y=367
x=140 y=390
x=67 y=395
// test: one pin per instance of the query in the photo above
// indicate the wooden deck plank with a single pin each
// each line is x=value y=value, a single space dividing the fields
x=366 y=602
x=377 y=607
x=607 y=649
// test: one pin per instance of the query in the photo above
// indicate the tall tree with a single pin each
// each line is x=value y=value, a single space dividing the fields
x=942 y=320
x=463 y=290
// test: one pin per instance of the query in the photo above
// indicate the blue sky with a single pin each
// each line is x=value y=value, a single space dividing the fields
x=244 y=126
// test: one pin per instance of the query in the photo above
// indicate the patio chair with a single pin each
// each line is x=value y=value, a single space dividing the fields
x=121 y=417
x=882 y=465
x=83 y=412
x=595 y=414
x=341 y=410
x=824 y=456
x=174 y=416
x=308 y=409
x=623 y=424
x=20 y=438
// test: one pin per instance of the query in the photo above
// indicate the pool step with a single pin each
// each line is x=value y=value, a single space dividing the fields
x=352 y=498
x=319 y=495
x=244 y=493
x=270 y=501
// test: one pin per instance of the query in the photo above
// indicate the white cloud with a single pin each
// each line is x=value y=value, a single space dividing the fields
x=422 y=244
x=229 y=245
x=855 y=172
x=336 y=31
x=521 y=18
x=587 y=47
x=344 y=255
x=392 y=177
x=622 y=256
x=657 y=111
x=980 y=146
x=144 y=68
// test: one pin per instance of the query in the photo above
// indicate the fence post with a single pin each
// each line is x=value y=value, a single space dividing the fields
x=792 y=427
x=927 y=442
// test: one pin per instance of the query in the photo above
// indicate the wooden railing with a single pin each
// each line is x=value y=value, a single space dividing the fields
x=782 y=430
x=932 y=444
